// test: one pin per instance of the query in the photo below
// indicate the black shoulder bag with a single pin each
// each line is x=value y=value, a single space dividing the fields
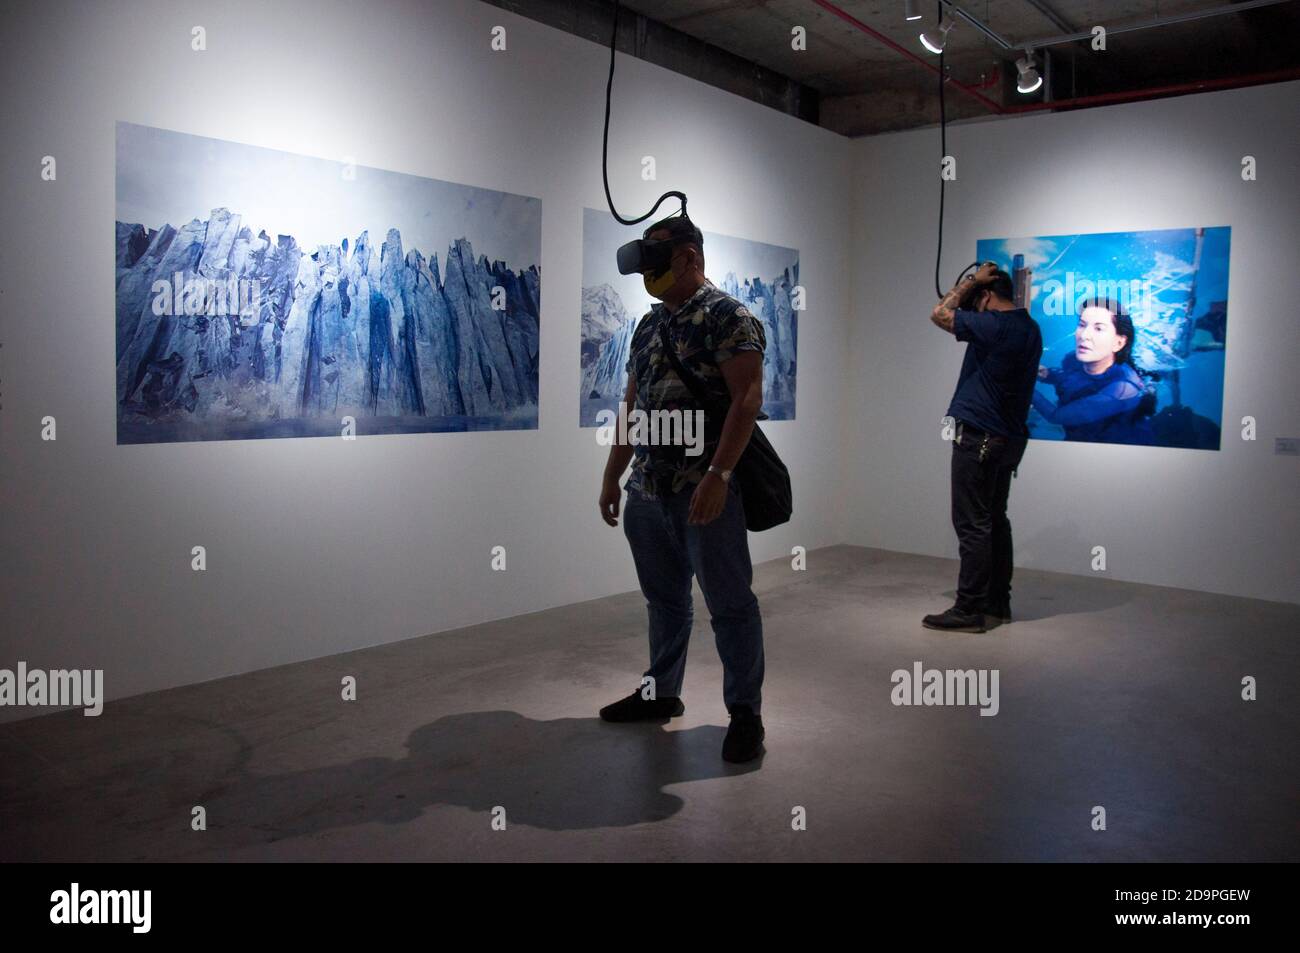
x=764 y=481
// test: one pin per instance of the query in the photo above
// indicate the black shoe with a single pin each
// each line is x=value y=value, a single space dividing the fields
x=954 y=620
x=744 y=741
x=636 y=708
x=1000 y=611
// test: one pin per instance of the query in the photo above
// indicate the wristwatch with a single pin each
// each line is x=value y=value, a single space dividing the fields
x=725 y=474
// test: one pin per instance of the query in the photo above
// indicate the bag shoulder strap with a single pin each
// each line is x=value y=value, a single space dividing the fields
x=688 y=378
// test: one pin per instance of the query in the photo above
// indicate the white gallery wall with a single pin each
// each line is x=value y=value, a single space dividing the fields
x=1223 y=522
x=317 y=546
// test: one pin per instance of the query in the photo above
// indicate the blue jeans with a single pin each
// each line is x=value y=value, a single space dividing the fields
x=668 y=552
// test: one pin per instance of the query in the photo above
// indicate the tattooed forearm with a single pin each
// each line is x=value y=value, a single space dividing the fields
x=944 y=311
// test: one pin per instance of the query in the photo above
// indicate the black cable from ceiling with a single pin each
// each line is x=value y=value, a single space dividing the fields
x=604 y=158
x=943 y=155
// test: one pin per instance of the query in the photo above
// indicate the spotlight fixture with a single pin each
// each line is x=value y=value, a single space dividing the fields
x=909 y=10
x=1029 y=79
x=933 y=40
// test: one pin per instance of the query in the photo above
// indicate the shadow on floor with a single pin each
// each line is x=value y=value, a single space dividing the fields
x=564 y=774
x=1033 y=600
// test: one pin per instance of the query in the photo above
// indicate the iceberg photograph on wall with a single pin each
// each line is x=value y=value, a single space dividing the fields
x=762 y=277
x=266 y=294
x=1134 y=333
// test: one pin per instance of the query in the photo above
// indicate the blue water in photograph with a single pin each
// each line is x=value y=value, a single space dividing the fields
x=1173 y=283
x=253 y=302
x=760 y=276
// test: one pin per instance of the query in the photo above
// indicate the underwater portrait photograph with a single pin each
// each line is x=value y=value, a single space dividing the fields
x=1134 y=331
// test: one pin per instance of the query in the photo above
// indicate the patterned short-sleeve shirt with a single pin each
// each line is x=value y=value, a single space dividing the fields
x=710 y=328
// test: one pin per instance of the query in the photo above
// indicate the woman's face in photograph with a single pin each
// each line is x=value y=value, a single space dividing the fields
x=1095 y=338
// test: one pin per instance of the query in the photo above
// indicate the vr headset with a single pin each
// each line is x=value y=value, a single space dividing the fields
x=645 y=254
x=652 y=254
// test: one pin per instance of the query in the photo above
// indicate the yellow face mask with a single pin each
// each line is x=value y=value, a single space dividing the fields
x=658 y=287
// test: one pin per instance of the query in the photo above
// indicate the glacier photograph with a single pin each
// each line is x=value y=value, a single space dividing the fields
x=266 y=294
x=761 y=276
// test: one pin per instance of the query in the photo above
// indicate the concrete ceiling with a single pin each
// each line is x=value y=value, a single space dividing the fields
x=853 y=83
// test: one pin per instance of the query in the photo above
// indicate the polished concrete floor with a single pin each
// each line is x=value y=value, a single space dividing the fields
x=1115 y=695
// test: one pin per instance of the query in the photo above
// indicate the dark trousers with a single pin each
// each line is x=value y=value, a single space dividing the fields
x=982 y=465
x=668 y=552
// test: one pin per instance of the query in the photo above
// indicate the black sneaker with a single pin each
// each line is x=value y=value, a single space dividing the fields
x=636 y=708
x=953 y=620
x=744 y=741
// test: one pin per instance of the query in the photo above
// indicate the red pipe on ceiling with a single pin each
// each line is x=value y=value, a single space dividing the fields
x=855 y=22
x=1151 y=92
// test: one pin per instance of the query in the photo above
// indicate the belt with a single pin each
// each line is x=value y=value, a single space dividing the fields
x=965 y=428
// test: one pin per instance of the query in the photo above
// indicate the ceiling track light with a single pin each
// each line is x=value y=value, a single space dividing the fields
x=934 y=40
x=1029 y=78
x=909 y=10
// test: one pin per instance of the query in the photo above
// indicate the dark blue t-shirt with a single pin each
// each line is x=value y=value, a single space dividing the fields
x=999 y=371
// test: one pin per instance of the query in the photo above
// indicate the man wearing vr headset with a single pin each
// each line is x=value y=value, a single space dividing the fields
x=990 y=408
x=684 y=515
